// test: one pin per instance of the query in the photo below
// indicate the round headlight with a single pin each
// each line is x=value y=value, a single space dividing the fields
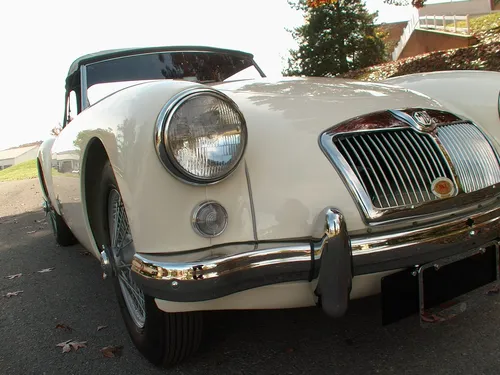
x=204 y=136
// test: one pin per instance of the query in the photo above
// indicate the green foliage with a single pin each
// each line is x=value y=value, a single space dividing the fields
x=21 y=171
x=335 y=38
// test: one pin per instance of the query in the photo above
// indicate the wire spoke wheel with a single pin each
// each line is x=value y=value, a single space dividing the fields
x=121 y=238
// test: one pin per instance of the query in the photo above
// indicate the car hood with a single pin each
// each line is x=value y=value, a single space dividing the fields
x=291 y=179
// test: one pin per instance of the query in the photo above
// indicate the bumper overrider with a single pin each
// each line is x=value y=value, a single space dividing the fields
x=331 y=257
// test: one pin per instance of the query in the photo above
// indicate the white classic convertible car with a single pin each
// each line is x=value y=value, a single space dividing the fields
x=201 y=185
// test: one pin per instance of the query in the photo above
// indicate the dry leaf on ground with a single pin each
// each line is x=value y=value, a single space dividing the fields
x=112 y=351
x=69 y=345
x=431 y=318
x=10 y=277
x=46 y=270
x=101 y=328
x=64 y=327
x=493 y=291
x=12 y=294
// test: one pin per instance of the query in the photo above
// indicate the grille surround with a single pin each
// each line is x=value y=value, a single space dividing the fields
x=372 y=128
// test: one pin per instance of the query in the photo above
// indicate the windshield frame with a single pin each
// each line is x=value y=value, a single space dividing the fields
x=82 y=90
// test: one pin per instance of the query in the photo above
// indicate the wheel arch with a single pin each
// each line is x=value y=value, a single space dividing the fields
x=93 y=161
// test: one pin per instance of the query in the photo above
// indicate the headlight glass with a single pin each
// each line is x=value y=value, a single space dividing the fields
x=205 y=136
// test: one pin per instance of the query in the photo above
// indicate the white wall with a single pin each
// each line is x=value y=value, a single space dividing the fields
x=6 y=163
x=31 y=154
x=457 y=8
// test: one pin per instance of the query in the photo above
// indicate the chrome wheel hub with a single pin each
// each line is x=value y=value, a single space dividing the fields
x=121 y=248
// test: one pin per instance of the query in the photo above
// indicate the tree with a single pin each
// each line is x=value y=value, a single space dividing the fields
x=415 y=3
x=338 y=36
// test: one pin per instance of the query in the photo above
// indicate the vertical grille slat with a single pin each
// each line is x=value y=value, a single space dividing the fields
x=471 y=154
x=412 y=158
x=396 y=168
x=372 y=170
x=404 y=167
x=391 y=167
x=383 y=174
x=441 y=171
x=367 y=174
x=469 y=160
x=427 y=155
x=351 y=162
x=486 y=162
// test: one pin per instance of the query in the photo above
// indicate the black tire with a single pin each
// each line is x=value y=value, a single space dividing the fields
x=63 y=235
x=166 y=338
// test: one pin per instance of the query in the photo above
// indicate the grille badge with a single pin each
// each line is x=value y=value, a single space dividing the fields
x=443 y=187
x=423 y=118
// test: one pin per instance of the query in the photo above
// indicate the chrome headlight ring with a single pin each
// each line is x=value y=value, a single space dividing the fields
x=164 y=139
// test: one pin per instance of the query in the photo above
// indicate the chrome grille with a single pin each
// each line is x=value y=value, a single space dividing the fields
x=395 y=167
x=473 y=158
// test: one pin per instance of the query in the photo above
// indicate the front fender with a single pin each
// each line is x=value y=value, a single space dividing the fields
x=45 y=159
x=159 y=206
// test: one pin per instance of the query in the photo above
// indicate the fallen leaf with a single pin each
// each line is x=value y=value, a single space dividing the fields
x=101 y=328
x=430 y=318
x=46 y=270
x=65 y=346
x=10 y=277
x=69 y=345
x=13 y=294
x=31 y=232
x=77 y=345
x=64 y=327
x=112 y=351
x=493 y=291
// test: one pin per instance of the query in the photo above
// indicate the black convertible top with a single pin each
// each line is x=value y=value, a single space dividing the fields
x=113 y=53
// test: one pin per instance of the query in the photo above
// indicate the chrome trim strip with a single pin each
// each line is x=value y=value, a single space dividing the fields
x=252 y=207
x=331 y=256
x=83 y=87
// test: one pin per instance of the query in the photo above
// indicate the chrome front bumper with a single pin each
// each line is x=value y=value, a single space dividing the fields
x=332 y=257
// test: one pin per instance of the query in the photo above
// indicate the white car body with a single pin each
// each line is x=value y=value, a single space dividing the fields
x=277 y=192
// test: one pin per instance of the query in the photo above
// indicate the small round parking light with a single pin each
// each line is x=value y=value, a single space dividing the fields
x=209 y=219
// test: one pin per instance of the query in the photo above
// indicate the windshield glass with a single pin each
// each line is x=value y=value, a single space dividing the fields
x=106 y=77
x=204 y=67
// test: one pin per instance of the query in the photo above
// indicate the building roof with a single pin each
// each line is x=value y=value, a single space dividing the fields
x=12 y=153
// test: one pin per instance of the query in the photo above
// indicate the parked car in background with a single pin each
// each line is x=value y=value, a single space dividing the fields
x=202 y=185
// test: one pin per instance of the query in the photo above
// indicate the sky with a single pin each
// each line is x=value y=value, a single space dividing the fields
x=40 y=39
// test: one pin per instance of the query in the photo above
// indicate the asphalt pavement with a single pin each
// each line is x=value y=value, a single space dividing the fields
x=301 y=341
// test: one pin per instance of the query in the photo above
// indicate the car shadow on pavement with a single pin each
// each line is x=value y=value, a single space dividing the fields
x=295 y=341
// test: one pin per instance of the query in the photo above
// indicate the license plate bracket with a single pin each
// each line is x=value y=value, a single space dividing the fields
x=445 y=284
